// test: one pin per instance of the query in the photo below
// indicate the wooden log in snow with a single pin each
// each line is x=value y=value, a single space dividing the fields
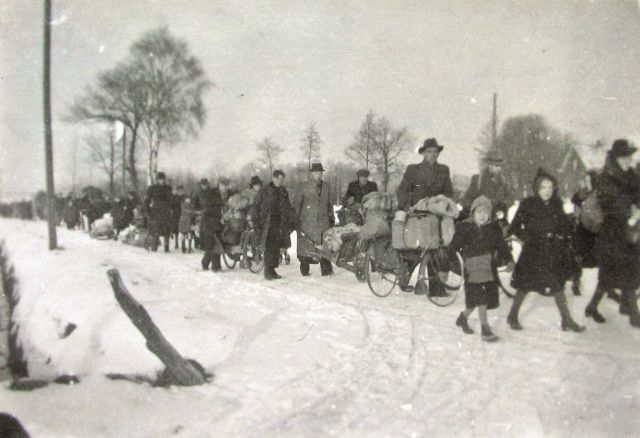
x=180 y=371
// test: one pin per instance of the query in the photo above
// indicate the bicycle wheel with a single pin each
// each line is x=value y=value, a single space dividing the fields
x=444 y=276
x=229 y=260
x=360 y=267
x=504 y=281
x=381 y=279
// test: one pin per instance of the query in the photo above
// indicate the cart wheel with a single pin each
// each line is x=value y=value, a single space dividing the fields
x=381 y=280
x=360 y=267
x=447 y=272
x=229 y=260
x=253 y=256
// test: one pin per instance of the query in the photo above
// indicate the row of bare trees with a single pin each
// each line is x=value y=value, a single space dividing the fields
x=377 y=146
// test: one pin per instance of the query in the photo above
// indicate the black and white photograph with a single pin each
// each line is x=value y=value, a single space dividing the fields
x=320 y=218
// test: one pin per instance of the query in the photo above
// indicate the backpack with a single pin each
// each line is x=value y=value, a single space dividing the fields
x=590 y=214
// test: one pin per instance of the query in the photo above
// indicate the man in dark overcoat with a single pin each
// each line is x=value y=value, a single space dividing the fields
x=618 y=259
x=425 y=179
x=490 y=183
x=314 y=215
x=158 y=209
x=209 y=203
x=359 y=188
x=420 y=181
x=272 y=215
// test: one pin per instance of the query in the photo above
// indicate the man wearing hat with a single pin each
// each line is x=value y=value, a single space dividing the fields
x=314 y=215
x=490 y=183
x=225 y=188
x=209 y=202
x=157 y=206
x=618 y=259
x=426 y=179
x=359 y=188
x=420 y=181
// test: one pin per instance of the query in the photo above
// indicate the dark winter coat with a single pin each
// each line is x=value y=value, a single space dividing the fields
x=117 y=214
x=158 y=204
x=475 y=242
x=187 y=217
x=71 y=214
x=209 y=202
x=546 y=259
x=584 y=241
x=493 y=187
x=358 y=191
x=273 y=216
x=176 y=207
x=314 y=215
x=423 y=180
x=618 y=260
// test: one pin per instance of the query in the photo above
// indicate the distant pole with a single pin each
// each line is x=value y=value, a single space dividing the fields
x=124 y=161
x=494 y=121
x=48 y=140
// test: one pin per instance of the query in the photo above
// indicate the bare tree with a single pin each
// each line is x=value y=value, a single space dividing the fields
x=360 y=150
x=156 y=93
x=388 y=146
x=101 y=154
x=270 y=152
x=310 y=144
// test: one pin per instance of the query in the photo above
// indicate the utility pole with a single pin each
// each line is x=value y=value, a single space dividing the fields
x=48 y=140
x=124 y=161
x=494 y=122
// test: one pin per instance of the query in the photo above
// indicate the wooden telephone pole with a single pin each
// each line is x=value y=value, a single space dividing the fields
x=48 y=140
x=494 y=122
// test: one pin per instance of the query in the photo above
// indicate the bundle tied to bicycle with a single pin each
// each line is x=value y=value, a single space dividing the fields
x=429 y=224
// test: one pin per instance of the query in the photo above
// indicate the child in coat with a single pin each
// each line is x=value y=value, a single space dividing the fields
x=480 y=243
x=186 y=223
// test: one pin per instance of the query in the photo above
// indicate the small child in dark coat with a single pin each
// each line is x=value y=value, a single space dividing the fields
x=186 y=223
x=480 y=243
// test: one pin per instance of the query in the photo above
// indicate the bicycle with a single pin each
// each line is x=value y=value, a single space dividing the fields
x=383 y=265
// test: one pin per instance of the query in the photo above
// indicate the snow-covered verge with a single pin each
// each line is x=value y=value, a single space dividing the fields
x=301 y=356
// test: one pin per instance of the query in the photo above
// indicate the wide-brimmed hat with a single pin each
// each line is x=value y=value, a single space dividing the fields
x=430 y=143
x=363 y=172
x=316 y=167
x=621 y=148
x=495 y=157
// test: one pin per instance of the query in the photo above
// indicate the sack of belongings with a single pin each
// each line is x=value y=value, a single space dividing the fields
x=439 y=205
x=332 y=238
x=422 y=232
x=135 y=236
x=375 y=224
x=379 y=201
x=102 y=228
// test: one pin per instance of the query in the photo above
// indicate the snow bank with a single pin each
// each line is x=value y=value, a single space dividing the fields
x=308 y=356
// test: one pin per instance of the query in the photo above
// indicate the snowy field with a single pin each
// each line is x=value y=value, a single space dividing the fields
x=302 y=357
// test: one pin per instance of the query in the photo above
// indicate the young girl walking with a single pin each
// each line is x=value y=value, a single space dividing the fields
x=481 y=243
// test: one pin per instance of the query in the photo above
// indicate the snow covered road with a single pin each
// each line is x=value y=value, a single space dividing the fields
x=301 y=356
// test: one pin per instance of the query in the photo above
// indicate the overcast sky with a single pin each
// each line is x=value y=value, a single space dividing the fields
x=429 y=65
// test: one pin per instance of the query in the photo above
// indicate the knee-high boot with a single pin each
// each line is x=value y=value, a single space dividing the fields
x=631 y=303
x=591 y=311
x=567 y=321
x=512 y=319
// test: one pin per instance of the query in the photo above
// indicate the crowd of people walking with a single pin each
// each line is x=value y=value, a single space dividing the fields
x=556 y=246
